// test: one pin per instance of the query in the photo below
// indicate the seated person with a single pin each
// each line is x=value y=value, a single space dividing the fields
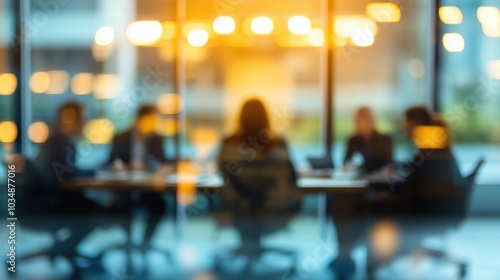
x=252 y=159
x=140 y=148
x=433 y=163
x=348 y=210
x=425 y=186
x=376 y=148
x=56 y=162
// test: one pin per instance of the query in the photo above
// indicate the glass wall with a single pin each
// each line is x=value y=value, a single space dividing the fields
x=382 y=60
x=8 y=81
x=469 y=92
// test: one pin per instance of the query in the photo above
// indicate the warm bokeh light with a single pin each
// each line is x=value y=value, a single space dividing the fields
x=186 y=188
x=488 y=15
x=143 y=33
x=167 y=127
x=383 y=12
x=362 y=37
x=430 y=137
x=416 y=68
x=106 y=86
x=316 y=37
x=104 y=36
x=82 y=83
x=491 y=30
x=169 y=30
x=39 y=82
x=453 y=42
x=8 y=83
x=38 y=132
x=345 y=26
x=494 y=69
x=384 y=239
x=99 y=131
x=9 y=132
x=450 y=15
x=197 y=37
x=170 y=103
x=59 y=81
x=262 y=25
x=204 y=139
x=299 y=25
x=224 y=25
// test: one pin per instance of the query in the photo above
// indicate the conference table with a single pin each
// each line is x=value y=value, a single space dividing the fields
x=208 y=184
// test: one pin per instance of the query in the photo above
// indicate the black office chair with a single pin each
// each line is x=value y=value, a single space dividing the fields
x=261 y=199
x=34 y=218
x=434 y=211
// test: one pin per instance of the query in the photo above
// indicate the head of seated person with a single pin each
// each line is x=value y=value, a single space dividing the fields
x=254 y=138
x=146 y=121
x=428 y=131
x=70 y=120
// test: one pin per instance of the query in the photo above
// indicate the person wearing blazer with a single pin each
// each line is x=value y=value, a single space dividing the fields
x=140 y=148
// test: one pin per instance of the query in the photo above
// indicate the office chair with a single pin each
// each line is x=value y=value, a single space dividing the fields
x=33 y=218
x=261 y=199
x=434 y=211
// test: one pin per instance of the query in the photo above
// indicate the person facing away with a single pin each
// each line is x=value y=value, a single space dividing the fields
x=253 y=142
x=140 y=148
x=376 y=148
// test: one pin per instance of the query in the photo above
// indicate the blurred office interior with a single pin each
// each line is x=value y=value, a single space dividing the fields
x=313 y=63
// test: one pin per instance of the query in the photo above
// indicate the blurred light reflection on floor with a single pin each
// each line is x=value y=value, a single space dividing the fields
x=477 y=241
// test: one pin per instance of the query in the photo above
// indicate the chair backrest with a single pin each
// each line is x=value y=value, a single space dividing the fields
x=450 y=200
x=266 y=185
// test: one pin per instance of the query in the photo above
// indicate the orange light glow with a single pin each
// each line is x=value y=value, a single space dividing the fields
x=82 y=83
x=197 y=37
x=38 y=132
x=99 y=131
x=106 y=86
x=262 y=25
x=431 y=137
x=346 y=26
x=144 y=33
x=385 y=239
x=39 y=82
x=204 y=139
x=186 y=188
x=9 y=132
x=383 y=12
x=450 y=15
x=224 y=25
x=299 y=25
x=8 y=83
x=170 y=103
x=59 y=81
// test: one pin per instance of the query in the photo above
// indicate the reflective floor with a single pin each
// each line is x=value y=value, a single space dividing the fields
x=477 y=241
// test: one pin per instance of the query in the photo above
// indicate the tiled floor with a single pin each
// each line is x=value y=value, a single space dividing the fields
x=477 y=241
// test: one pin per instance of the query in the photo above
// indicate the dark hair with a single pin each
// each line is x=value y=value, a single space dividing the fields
x=146 y=109
x=71 y=108
x=253 y=118
x=420 y=115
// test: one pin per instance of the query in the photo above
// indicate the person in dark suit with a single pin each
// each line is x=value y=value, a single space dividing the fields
x=140 y=148
x=376 y=148
x=55 y=163
x=348 y=210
